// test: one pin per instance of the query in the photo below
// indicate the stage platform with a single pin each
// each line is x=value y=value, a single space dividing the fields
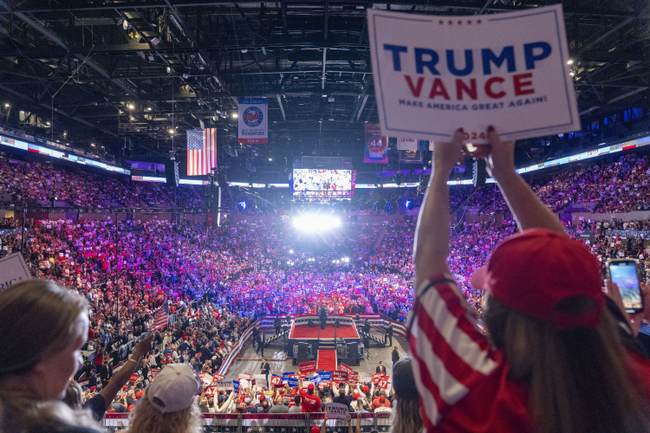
x=300 y=330
x=340 y=336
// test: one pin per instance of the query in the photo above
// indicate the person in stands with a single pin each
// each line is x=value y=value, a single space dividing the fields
x=394 y=355
x=406 y=417
x=552 y=361
x=169 y=404
x=266 y=370
x=297 y=405
x=100 y=402
x=310 y=401
x=343 y=397
x=42 y=330
x=381 y=403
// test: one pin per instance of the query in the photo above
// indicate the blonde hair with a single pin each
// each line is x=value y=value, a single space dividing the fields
x=147 y=419
x=38 y=318
x=73 y=395
x=580 y=380
x=20 y=413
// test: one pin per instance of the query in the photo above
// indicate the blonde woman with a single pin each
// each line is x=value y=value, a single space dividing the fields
x=169 y=404
x=42 y=330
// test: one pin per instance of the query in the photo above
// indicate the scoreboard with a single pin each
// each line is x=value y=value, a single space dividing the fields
x=319 y=184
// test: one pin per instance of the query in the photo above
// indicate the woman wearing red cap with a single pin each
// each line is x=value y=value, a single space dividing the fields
x=553 y=361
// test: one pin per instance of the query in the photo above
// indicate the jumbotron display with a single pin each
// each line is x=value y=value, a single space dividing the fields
x=315 y=184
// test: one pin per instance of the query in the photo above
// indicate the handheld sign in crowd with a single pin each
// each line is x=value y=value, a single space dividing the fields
x=307 y=367
x=434 y=74
x=340 y=376
x=13 y=270
x=315 y=378
x=276 y=381
x=337 y=411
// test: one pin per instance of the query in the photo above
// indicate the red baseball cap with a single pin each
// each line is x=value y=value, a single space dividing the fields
x=311 y=387
x=533 y=271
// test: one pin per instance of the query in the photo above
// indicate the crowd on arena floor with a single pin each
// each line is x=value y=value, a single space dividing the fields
x=215 y=281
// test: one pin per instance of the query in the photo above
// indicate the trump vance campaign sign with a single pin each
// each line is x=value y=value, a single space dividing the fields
x=434 y=74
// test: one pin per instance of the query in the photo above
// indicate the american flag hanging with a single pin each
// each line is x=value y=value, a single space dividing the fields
x=201 y=151
x=161 y=318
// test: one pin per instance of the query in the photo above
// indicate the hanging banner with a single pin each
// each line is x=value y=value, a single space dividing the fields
x=253 y=121
x=376 y=148
x=406 y=143
x=410 y=156
x=434 y=74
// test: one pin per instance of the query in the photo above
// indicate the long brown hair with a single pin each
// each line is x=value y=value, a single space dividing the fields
x=580 y=380
x=406 y=416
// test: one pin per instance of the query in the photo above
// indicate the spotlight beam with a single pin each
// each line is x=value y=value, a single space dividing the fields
x=315 y=223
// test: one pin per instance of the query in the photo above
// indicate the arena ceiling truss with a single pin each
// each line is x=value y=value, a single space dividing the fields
x=128 y=70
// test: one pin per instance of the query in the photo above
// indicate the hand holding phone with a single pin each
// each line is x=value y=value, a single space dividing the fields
x=625 y=274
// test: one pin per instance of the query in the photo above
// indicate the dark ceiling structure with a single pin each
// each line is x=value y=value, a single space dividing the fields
x=123 y=72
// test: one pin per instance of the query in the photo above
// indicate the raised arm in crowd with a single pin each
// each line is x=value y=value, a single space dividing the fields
x=552 y=360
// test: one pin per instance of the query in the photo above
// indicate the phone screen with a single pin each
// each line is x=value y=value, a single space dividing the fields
x=625 y=275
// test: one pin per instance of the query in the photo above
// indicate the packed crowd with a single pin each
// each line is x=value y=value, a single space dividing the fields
x=258 y=275
x=42 y=183
x=214 y=281
x=558 y=356
x=619 y=184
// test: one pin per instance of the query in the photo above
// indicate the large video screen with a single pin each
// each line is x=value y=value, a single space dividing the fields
x=322 y=184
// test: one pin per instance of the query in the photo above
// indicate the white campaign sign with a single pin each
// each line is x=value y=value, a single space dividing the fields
x=13 y=270
x=434 y=74
x=337 y=411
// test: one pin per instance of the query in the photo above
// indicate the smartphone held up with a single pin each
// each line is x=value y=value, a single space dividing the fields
x=625 y=274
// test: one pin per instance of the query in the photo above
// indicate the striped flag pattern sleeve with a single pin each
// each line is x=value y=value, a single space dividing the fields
x=449 y=353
